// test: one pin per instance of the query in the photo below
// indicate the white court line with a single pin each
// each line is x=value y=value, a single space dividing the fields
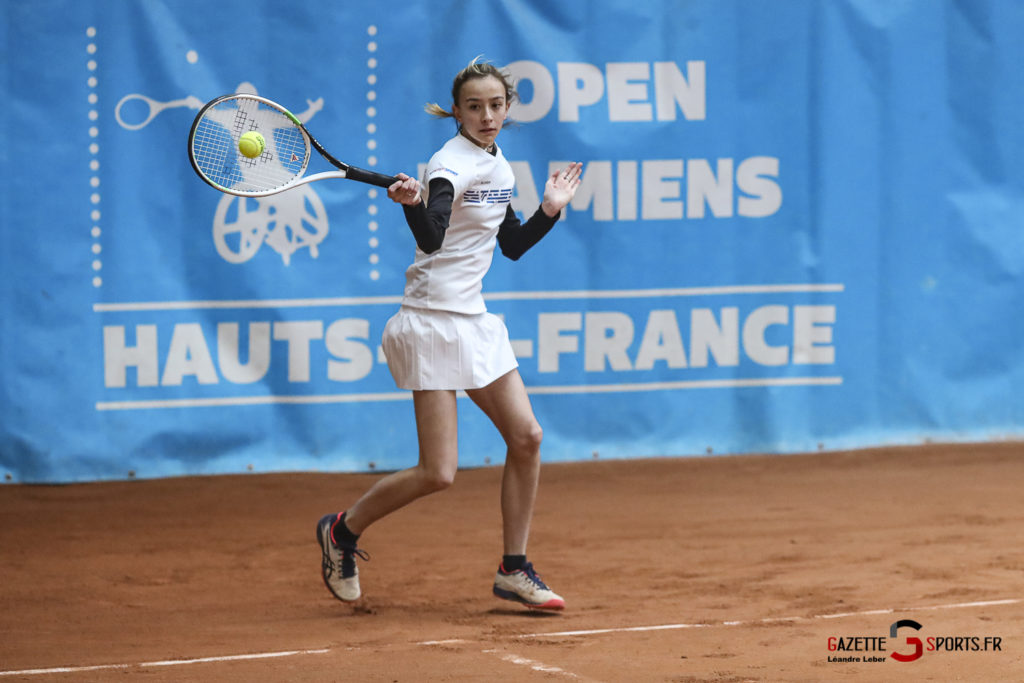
x=746 y=622
x=165 y=662
x=532 y=663
x=769 y=620
x=556 y=634
x=495 y=296
x=958 y=605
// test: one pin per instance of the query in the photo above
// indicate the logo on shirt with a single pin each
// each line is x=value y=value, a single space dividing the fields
x=480 y=197
x=443 y=169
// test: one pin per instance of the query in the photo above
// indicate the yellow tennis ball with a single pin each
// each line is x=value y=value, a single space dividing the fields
x=251 y=144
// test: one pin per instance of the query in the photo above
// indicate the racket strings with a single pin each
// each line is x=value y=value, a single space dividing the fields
x=242 y=125
x=216 y=154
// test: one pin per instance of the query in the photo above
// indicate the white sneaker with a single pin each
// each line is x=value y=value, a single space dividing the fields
x=338 y=567
x=524 y=586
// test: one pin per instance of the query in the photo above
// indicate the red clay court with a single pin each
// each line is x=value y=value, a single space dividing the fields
x=675 y=569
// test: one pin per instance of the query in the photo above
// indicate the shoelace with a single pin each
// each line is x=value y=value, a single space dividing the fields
x=348 y=560
x=534 y=576
x=358 y=552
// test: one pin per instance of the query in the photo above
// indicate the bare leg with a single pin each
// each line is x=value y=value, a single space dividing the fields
x=506 y=403
x=437 y=429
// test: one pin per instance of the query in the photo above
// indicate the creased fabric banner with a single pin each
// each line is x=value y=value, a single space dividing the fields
x=801 y=227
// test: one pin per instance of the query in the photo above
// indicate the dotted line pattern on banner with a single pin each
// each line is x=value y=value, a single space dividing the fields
x=94 y=163
x=371 y=146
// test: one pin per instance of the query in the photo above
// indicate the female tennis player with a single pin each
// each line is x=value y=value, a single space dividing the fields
x=443 y=339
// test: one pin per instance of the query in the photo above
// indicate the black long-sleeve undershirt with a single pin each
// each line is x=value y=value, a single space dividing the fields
x=429 y=223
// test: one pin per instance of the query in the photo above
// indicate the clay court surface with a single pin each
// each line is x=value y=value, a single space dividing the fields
x=674 y=569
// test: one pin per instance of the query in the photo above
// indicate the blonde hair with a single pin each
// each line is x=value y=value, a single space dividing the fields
x=478 y=68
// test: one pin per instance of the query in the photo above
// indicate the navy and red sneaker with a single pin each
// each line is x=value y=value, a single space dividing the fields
x=525 y=586
x=338 y=568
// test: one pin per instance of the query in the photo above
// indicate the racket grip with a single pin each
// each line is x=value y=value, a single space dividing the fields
x=364 y=176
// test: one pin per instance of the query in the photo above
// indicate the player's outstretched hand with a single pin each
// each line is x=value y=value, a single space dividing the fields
x=561 y=188
x=405 y=190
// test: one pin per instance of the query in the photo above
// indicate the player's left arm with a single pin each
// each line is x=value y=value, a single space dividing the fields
x=515 y=238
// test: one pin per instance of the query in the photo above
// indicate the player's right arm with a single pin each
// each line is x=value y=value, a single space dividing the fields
x=429 y=221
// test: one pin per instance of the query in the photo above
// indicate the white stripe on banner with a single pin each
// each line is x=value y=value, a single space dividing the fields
x=406 y=395
x=244 y=303
x=688 y=384
x=497 y=296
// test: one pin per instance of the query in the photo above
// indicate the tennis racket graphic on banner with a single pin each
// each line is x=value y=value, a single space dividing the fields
x=276 y=151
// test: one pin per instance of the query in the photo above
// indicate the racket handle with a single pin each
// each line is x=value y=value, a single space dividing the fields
x=364 y=176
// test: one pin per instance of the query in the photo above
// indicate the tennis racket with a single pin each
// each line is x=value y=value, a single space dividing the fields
x=213 y=149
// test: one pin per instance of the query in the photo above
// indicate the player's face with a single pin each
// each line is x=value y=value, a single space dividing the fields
x=481 y=109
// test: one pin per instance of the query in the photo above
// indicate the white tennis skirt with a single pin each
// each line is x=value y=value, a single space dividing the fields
x=428 y=349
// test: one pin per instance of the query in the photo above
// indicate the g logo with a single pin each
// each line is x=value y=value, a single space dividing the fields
x=916 y=642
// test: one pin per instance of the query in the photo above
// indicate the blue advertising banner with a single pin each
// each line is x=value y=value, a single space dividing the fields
x=801 y=226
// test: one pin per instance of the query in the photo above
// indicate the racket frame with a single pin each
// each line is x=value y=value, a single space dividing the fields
x=345 y=171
